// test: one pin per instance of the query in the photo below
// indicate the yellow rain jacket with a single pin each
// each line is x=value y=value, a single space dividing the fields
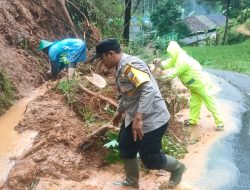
x=192 y=76
x=185 y=67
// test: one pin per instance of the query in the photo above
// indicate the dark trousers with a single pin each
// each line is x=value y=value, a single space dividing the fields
x=149 y=147
x=56 y=67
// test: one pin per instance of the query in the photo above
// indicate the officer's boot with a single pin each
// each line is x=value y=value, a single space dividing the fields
x=176 y=168
x=132 y=174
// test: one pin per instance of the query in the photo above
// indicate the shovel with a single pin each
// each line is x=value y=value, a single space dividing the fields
x=97 y=80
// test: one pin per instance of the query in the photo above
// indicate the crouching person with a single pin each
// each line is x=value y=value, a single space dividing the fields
x=64 y=54
x=146 y=115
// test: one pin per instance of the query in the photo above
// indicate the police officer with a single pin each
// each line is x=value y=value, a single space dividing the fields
x=146 y=115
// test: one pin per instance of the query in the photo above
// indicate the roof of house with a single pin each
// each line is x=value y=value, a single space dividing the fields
x=195 y=24
x=205 y=22
x=197 y=38
x=218 y=19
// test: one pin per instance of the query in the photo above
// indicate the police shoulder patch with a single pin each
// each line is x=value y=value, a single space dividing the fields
x=136 y=76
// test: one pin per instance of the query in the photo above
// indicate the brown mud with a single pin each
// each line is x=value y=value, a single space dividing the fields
x=60 y=165
x=242 y=29
x=22 y=25
x=63 y=130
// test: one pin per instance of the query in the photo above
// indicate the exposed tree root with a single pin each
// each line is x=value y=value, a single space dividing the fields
x=32 y=149
x=90 y=140
x=98 y=96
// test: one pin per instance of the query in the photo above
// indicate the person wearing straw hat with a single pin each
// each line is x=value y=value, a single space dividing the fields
x=64 y=54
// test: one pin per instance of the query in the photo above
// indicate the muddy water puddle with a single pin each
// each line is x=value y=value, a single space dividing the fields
x=13 y=144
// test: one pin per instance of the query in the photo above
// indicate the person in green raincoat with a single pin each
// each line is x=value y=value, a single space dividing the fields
x=195 y=79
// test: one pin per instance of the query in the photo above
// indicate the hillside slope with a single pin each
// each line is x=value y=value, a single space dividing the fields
x=22 y=25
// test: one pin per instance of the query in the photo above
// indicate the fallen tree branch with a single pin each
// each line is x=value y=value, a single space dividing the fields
x=87 y=21
x=32 y=149
x=176 y=138
x=98 y=96
x=90 y=140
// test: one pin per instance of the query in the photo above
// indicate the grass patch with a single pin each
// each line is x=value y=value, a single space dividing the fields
x=228 y=57
x=6 y=92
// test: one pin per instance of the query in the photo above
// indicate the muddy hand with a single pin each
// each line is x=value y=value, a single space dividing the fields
x=137 y=127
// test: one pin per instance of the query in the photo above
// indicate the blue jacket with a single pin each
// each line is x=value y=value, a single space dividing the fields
x=66 y=52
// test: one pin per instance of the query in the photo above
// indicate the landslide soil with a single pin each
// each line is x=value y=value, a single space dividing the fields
x=22 y=25
x=59 y=163
x=59 y=157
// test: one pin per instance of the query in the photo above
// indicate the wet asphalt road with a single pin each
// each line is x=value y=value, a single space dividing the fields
x=228 y=165
x=240 y=81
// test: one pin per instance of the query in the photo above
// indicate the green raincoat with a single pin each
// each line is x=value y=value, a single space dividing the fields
x=192 y=76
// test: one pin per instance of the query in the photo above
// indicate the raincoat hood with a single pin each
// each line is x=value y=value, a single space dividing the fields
x=174 y=50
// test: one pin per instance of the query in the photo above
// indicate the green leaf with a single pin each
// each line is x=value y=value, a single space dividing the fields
x=112 y=143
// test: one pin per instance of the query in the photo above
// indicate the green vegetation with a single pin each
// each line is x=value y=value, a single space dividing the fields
x=166 y=18
x=233 y=36
x=24 y=43
x=6 y=92
x=68 y=88
x=228 y=57
x=244 y=15
x=169 y=146
x=111 y=143
x=106 y=15
x=89 y=111
x=173 y=148
x=247 y=24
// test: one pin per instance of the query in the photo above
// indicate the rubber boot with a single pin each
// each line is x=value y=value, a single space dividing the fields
x=176 y=168
x=219 y=128
x=132 y=173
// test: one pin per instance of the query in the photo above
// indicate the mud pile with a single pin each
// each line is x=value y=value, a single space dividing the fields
x=22 y=25
x=62 y=128
x=59 y=157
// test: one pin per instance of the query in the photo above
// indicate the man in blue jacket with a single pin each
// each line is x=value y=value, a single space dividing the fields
x=64 y=54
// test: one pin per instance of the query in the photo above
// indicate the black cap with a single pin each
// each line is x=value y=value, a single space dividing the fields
x=109 y=44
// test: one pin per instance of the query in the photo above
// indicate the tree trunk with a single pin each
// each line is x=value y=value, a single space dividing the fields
x=67 y=16
x=226 y=26
x=127 y=18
